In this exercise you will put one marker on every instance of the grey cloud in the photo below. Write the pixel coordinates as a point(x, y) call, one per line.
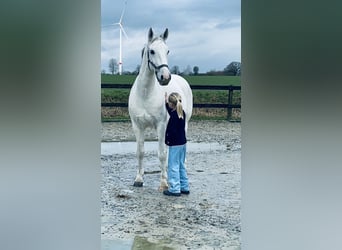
point(193, 25)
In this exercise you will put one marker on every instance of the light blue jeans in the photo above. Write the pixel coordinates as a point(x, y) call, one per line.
point(176, 172)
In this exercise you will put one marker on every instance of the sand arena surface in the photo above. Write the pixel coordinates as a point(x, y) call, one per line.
point(208, 218)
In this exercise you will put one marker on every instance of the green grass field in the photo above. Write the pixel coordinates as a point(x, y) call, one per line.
point(193, 80)
point(200, 96)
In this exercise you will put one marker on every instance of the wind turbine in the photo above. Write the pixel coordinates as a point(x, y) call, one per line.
point(122, 30)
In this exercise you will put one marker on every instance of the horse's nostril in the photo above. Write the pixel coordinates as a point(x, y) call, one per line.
point(162, 77)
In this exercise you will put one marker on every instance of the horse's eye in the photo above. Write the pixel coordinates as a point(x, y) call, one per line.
point(168, 51)
point(152, 51)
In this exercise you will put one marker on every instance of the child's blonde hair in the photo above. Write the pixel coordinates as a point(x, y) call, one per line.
point(176, 100)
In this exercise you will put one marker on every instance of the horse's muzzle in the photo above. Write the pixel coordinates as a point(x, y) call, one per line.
point(164, 81)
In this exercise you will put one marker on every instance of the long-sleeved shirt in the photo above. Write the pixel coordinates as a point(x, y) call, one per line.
point(175, 130)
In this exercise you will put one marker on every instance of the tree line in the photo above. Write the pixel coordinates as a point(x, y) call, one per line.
point(232, 69)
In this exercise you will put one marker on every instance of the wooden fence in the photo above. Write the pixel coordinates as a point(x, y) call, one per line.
point(229, 105)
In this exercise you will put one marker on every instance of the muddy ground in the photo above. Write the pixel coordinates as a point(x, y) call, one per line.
point(208, 218)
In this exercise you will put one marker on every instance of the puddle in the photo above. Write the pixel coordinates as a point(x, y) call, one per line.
point(116, 244)
point(120, 148)
point(139, 243)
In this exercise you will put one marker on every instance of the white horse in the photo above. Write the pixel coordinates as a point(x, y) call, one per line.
point(146, 102)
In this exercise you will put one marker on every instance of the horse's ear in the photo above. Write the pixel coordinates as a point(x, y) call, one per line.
point(150, 35)
point(166, 34)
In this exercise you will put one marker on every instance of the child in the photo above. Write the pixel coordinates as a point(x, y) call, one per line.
point(176, 140)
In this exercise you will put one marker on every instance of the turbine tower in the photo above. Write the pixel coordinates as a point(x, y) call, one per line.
point(122, 30)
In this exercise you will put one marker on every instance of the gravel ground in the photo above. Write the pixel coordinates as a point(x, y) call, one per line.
point(208, 218)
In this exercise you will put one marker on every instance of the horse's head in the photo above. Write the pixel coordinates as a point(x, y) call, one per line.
point(157, 56)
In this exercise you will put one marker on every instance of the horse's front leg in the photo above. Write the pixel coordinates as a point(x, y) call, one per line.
point(138, 182)
point(162, 154)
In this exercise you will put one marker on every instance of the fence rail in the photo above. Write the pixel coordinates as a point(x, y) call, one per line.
point(229, 105)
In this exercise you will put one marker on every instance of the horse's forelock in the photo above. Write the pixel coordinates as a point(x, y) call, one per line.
point(156, 38)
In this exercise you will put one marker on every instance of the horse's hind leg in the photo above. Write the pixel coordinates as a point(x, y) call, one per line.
point(162, 154)
point(138, 182)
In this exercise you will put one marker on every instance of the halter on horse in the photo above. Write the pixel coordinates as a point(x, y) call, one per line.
point(146, 102)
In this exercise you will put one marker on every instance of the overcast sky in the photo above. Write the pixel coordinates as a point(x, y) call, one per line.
point(204, 33)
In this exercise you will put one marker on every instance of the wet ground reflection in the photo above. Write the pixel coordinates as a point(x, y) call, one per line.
point(139, 243)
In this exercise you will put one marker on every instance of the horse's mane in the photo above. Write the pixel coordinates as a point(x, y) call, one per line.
point(142, 52)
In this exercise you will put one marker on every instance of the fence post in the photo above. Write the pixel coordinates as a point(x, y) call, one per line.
point(230, 100)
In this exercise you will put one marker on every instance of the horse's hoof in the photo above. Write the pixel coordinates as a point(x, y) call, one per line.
point(162, 188)
point(138, 184)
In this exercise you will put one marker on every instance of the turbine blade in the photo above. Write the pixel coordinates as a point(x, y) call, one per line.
point(108, 25)
point(123, 11)
point(122, 28)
